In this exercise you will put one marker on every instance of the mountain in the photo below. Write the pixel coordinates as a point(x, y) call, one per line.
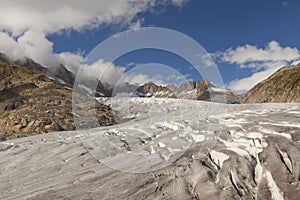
point(62, 76)
point(219, 95)
point(3, 57)
point(282, 86)
point(197, 90)
point(60, 73)
point(31, 103)
point(153, 90)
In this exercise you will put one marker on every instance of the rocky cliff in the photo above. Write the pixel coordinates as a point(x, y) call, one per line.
point(282, 86)
point(31, 103)
point(197, 90)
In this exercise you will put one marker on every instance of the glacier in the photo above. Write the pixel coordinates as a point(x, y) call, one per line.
point(162, 149)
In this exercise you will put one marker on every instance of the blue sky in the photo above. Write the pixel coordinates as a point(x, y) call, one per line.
point(248, 39)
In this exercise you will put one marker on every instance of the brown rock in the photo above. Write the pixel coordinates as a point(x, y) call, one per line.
point(282, 86)
point(31, 103)
point(24, 122)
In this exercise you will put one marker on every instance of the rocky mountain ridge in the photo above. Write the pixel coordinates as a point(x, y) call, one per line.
point(197, 90)
point(281, 87)
point(60, 73)
point(31, 103)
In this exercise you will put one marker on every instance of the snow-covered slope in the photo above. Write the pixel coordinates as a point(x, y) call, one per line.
point(163, 149)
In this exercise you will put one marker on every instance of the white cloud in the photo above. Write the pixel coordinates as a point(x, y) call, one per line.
point(134, 78)
point(72, 60)
point(244, 84)
point(156, 73)
point(113, 75)
point(179, 2)
point(262, 61)
point(106, 72)
point(18, 16)
point(250, 54)
point(207, 60)
point(37, 47)
point(9, 46)
point(137, 24)
point(24, 25)
point(296, 62)
point(139, 77)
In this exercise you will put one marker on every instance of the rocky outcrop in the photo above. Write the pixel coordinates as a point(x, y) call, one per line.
point(197, 90)
point(153, 90)
point(219, 96)
point(282, 86)
point(201, 85)
point(31, 103)
point(59, 74)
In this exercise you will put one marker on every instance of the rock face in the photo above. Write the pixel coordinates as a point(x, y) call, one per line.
point(31, 103)
point(282, 86)
point(201, 85)
point(256, 156)
point(60, 73)
point(197, 90)
point(153, 90)
point(219, 96)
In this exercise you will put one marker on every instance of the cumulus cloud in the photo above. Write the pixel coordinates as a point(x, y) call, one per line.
point(244, 84)
point(207, 60)
point(8, 45)
point(36, 46)
point(71, 60)
point(18, 16)
point(262, 61)
point(24, 25)
point(251, 54)
point(134, 78)
point(155, 73)
point(107, 72)
point(115, 76)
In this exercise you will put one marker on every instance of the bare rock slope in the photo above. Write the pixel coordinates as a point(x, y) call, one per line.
point(31, 103)
point(282, 86)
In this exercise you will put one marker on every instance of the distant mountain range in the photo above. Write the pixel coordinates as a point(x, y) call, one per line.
point(281, 87)
point(197, 90)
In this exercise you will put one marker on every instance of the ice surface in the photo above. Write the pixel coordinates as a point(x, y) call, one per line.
point(172, 148)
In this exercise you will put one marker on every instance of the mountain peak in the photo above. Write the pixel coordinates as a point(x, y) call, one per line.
point(282, 86)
